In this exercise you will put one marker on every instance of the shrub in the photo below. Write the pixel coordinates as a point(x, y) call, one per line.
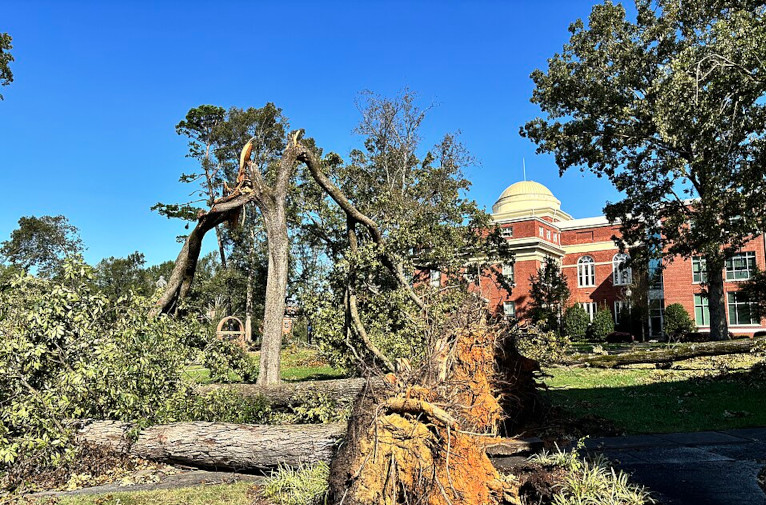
point(543, 346)
point(603, 325)
point(677, 321)
point(576, 322)
point(68, 352)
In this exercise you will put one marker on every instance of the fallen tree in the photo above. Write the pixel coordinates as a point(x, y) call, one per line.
point(677, 352)
point(227, 446)
point(286, 394)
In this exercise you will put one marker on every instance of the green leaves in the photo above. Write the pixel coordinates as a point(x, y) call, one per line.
point(67, 352)
point(6, 76)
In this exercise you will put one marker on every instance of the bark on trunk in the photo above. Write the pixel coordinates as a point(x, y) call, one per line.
point(222, 445)
point(249, 305)
point(186, 263)
point(276, 288)
point(719, 329)
point(239, 447)
point(676, 353)
point(343, 391)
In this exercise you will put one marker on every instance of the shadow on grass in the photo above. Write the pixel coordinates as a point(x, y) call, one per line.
point(733, 400)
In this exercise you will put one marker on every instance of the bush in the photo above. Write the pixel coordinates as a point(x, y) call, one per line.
point(576, 322)
point(543, 346)
point(603, 325)
point(677, 321)
point(67, 352)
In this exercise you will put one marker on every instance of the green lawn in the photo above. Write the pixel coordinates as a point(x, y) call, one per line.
point(695, 395)
point(221, 494)
point(297, 364)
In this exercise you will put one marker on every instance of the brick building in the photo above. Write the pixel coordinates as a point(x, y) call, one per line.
point(535, 226)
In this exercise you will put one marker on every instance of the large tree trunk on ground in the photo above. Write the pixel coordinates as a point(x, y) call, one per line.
point(239, 447)
point(222, 445)
point(276, 290)
point(343, 391)
point(676, 353)
point(719, 329)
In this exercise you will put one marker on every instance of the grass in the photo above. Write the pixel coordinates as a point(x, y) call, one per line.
point(297, 364)
point(219, 494)
point(695, 395)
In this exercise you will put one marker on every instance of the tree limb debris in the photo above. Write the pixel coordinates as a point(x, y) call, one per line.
point(677, 352)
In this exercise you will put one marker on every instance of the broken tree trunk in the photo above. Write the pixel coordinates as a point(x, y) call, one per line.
point(342, 391)
point(221, 445)
point(676, 353)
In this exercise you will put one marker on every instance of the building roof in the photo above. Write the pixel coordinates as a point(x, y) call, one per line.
point(528, 198)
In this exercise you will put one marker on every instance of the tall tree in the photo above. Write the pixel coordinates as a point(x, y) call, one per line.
point(265, 129)
point(200, 127)
point(403, 209)
point(115, 277)
point(41, 244)
point(671, 107)
point(6, 76)
point(549, 294)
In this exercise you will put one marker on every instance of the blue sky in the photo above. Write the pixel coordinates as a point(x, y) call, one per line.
point(86, 129)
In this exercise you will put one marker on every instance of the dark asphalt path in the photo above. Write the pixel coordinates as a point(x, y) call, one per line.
point(704, 468)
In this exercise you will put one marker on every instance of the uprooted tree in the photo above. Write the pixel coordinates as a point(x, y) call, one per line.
point(426, 425)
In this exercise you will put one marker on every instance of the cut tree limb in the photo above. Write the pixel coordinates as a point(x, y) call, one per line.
point(677, 352)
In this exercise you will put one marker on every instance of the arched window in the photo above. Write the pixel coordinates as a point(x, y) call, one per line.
point(586, 272)
point(621, 274)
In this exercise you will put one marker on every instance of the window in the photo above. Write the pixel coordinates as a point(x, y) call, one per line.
point(621, 310)
point(508, 272)
point(509, 309)
point(542, 231)
point(435, 279)
point(699, 270)
point(586, 272)
point(656, 315)
point(590, 308)
point(701, 310)
point(621, 275)
point(741, 309)
point(740, 266)
point(655, 274)
point(548, 234)
point(555, 238)
point(507, 232)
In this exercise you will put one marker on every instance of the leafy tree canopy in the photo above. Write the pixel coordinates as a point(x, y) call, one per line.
point(42, 244)
point(6, 76)
point(670, 107)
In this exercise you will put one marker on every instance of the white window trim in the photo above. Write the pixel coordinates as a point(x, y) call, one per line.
point(703, 269)
point(621, 276)
point(435, 278)
point(509, 308)
point(728, 308)
point(619, 306)
point(745, 255)
point(586, 271)
point(590, 309)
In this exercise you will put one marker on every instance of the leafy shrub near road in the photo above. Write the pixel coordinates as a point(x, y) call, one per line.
point(677, 322)
point(67, 352)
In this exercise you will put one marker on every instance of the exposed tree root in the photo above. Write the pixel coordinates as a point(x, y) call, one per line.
point(422, 439)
